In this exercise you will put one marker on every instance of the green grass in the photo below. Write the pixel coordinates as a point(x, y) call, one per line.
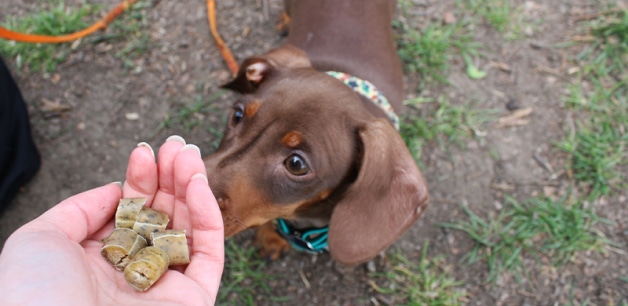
point(426, 282)
point(244, 280)
point(438, 120)
point(56, 20)
point(134, 47)
point(598, 140)
point(596, 151)
point(429, 51)
point(190, 116)
point(550, 231)
point(502, 15)
point(131, 29)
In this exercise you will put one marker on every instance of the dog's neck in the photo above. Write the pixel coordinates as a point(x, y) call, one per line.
point(354, 37)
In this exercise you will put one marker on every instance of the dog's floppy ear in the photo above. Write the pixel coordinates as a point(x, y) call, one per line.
point(255, 70)
point(388, 195)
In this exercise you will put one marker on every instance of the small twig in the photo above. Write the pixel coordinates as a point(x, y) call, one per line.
point(598, 14)
point(502, 186)
point(542, 183)
point(543, 162)
point(583, 38)
point(265, 9)
point(528, 294)
point(543, 68)
point(304, 279)
point(515, 118)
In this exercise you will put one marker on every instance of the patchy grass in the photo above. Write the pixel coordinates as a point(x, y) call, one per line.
point(243, 278)
point(130, 28)
point(133, 48)
point(502, 15)
point(194, 115)
point(426, 282)
point(59, 19)
point(56, 20)
point(550, 231)
point(438, 120)
point(429, 51)
point(598, 139)
point(595, 153)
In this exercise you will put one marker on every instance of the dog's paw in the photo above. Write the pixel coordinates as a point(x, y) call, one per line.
point(270, 244)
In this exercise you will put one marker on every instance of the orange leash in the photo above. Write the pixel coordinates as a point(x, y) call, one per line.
point(102, 24)
point(226, 54)
point(46, 39)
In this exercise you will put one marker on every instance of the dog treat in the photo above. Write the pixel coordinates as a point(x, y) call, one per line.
point(150, 221)
point(148, 265)
point(127, 211)
point(174, 243)
point(120, 246)
point(126, 247)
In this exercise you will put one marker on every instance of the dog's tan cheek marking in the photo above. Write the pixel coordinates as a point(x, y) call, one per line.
point(292, 139)
point(251, 109)
point(302, 205)
point(323, 195)
point(249, 207)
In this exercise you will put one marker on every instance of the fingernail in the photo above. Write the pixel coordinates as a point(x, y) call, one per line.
point(176, 138)
point(119, 183)
point(191, 147)
point(200, 176)
point(144, 144)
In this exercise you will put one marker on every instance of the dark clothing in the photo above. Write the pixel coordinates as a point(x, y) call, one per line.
point(19, 158)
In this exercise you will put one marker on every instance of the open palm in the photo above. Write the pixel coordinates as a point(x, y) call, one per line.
point(55, 259)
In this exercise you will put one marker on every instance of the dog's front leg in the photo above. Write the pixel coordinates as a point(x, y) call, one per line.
point(271, 245)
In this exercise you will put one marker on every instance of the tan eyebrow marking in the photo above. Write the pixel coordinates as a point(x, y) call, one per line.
point(292, 139)
point(251, 109)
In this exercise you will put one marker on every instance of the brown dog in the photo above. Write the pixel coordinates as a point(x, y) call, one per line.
point(303, 146)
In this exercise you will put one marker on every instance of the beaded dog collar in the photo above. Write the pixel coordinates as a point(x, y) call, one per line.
point(368, 90)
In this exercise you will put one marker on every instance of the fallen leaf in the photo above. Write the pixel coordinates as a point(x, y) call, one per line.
point(53, 106)
point(55, 78)
point(472, 71)
point(449, 18)
point(500, 65)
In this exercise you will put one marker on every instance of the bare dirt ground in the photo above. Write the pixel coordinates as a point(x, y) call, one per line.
point(107, 109)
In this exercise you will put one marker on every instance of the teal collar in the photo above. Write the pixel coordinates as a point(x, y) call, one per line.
point(368, 90)
point(313, 241)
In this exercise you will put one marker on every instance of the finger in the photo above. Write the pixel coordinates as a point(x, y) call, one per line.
point(187, 163)
point(141, 173)
point(207, 252)
point(164, 199)
point(81, 215)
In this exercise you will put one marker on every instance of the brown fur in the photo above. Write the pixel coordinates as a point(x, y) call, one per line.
point(361, 179)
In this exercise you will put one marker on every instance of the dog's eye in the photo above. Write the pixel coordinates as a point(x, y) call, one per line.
point(238, 114)
point(296, 165)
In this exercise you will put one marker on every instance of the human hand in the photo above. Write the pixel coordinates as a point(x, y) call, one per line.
point(55, 259)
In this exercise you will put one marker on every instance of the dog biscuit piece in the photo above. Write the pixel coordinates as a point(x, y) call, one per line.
point(128, 209)
point(174, 243)
point(148, 265)
point(150, 221)
point(120, 246)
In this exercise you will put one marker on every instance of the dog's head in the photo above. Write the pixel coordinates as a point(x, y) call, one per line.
point(300, 144)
